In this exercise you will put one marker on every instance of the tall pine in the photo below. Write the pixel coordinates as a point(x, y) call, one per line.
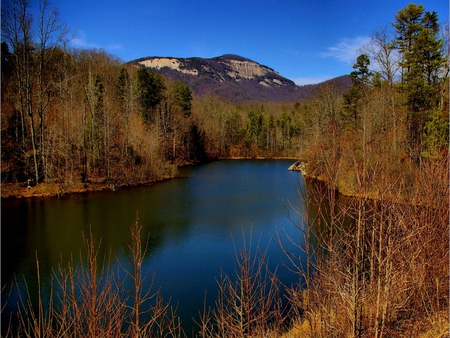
point(422, 62)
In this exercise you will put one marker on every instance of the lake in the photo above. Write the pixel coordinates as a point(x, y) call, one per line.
point(196, 223)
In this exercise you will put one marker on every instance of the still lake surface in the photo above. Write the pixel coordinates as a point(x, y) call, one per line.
point(196, 224)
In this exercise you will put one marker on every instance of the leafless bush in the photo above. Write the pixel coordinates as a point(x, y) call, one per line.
point(249, 303)
point(161, 318)
point(370, 267)
point(92, 300)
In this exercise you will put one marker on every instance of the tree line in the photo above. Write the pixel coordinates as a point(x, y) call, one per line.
point(376, 262)
point(84, 116)
point(392, 124)
point(373, 265)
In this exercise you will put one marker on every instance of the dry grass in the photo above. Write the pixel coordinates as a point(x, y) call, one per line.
point(435, 326)
point(49, 189)
point(374, 268)
point(16, 190)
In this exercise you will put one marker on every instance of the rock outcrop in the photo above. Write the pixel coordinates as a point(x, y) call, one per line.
point(298, 166)
point(233, 78)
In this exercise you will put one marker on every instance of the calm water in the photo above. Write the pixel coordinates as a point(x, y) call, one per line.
point(195, 224)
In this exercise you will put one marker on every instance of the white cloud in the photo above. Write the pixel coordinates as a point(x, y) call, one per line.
point(301, 81)
point(113, 47)
point(347, 50)
point(81, 42)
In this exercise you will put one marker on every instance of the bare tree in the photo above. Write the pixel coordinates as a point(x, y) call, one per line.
point(248, 303)
point(382, 52)
point(31, 59)
point(17, 32)
point(52, 34)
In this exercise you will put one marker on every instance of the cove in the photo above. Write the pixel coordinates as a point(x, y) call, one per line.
point(195, 224)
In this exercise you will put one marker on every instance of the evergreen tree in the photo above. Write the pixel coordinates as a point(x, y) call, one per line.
point(407, 25)
point(361, 75)
point(255, 124)
point(121, 87)
point(150, 91)
point(436, 136)
point(183, 97)
point(361, 78)
point(422, 62)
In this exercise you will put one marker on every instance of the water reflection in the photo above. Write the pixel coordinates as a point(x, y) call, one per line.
point(195, 224)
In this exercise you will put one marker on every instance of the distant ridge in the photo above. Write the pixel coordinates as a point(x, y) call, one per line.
point(234, 78)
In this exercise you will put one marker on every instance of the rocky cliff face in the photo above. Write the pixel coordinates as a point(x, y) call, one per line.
point(175, 64)
point(232, 77)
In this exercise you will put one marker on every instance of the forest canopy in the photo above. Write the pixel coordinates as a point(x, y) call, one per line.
point(376, 265)
point(83, 116)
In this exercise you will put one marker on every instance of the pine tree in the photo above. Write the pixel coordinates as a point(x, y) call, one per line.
point(422, 62)
point(361, 78)
point(182, 97)
point(151, 89)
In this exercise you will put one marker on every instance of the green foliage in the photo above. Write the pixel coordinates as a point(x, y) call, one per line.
point(362, 80)
point(122, 83)
point(287, 129)
point(150, 91)
point(436, 135)
point(100, 115)
point(235, 131)
point(408, 25)
point(422, 55)
point(182, 97)
point(385, 131)
point(255, 126)
point(97, 91)
point(361, 75)
point(197, 144)
point(263, 136)
point(377, 80)
point(422, 61)
point(352, 106)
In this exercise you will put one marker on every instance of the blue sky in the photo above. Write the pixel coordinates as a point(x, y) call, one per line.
point(305, 41)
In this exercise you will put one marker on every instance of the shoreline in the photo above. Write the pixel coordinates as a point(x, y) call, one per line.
point(44, 190)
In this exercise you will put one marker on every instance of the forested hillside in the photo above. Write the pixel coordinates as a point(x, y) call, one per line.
point(83, 116)
point(385, 142)
point(234, 79)
point(72, 118)
point(376, 265)
point(94, 119)
point(391, 129)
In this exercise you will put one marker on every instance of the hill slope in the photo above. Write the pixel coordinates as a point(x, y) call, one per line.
point(234, 78)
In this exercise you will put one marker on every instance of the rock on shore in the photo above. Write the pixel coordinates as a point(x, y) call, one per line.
point(298, 166)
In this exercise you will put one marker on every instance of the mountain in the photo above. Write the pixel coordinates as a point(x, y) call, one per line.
point(234, 78)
